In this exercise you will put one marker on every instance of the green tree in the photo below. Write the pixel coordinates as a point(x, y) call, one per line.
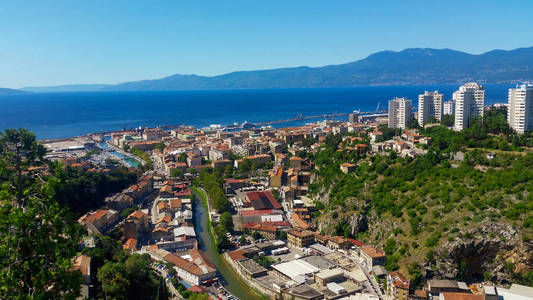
point(176, 173)
point(226, 220)
point(160, 146)
point(37, 238)
point(114, 280)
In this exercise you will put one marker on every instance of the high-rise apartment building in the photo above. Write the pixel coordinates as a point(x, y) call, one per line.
point(400, 112)
point(429, 106)
point(469, 102)
point(520, 109)
point(448, 108)
point(353, 117)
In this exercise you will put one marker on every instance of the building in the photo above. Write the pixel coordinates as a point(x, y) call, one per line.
point(194, 267)
point(448, 108)
point(520, 109)
point(429, 106)
point(276, 176)
point(469, 102)
point(438, 286)
point(397, 286)
point(399, 112)
point(300, 238)
point(82, 263)
point(353, 117)
point(329, 275)
point(373, 256)
point(347, 168)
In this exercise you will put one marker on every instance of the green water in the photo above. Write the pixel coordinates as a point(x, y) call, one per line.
point(231, 280)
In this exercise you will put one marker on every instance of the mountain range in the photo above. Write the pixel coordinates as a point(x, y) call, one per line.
point(415, 66)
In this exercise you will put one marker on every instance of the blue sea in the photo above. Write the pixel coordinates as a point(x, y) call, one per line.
point(57, 115)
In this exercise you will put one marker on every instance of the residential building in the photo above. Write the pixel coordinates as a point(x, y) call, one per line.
point(82, 263)
point(400, 112)
point(347, 167)
point(469, 101)
point(429, 106)
point(194, 267)
point(372, 256)
point(520, 109)
point(353, 117)
point(300, 238)
point(448, 108)
point(397, 286)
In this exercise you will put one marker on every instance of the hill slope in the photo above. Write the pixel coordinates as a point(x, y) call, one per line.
point(415, 66)
point(407, 67)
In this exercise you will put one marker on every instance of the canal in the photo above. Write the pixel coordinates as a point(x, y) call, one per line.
point(228, 277)
point(129, 160)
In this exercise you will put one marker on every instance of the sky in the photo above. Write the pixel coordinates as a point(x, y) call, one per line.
point(71, 42)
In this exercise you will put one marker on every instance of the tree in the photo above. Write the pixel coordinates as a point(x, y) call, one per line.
point(221, 237)
point(226, 220)
point(176, 173)
point(256, 235)
point(37, 238)
point(160, 146)
point(182, 157)
point(114, 281)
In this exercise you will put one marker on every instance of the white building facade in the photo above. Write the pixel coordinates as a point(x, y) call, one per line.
point(429, 106)
point(520, 109)
point(469, 102)
point(400, 112)
point(448, 108)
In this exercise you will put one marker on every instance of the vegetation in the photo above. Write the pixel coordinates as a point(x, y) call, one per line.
point(430, 199)
point(82, 191)
point(38, 238)
point(265, 261)
point(120, 275)
point(212, 182)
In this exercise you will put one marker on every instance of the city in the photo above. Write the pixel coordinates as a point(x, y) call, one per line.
point(233, 212)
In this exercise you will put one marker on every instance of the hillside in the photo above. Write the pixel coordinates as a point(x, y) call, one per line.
point(408, 67)
point(468, 219)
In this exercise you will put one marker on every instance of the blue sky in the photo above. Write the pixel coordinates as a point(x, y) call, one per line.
point(69, 42)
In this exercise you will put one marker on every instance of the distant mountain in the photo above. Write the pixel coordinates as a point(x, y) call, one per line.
point(407, 67)
point(5, 91)
point(65, 88)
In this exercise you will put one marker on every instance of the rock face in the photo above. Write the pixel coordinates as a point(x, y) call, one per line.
point(491, 249)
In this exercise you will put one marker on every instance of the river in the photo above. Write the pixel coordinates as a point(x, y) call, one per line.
point(228, 277)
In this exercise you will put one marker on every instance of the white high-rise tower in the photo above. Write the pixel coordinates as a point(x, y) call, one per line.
point(469, 102)
point(520, 109)
point(400, 112)
point(429, 106)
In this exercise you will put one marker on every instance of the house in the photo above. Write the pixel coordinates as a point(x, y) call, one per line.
point(101, 219)
point(300, 238)
point(194, 267)
point(130, 244)
point(347, 167)
point(295, 162)
point(82, 263)
point(372, 256)
point(276, 176)
point(135, 224)
point(397, 286)
point(269, 232)
point(221, 163)
point(338, 242)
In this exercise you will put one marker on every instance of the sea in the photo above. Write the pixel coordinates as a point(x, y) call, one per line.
point(60, 115)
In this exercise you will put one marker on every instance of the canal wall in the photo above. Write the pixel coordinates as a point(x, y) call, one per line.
point(251, 282)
